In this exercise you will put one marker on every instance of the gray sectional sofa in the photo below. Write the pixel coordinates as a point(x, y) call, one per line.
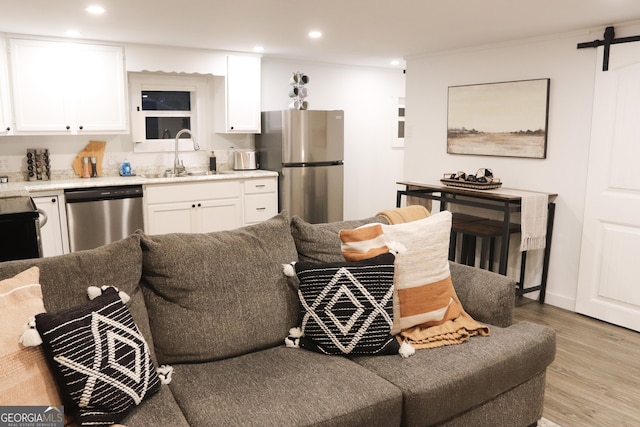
point(217, 307)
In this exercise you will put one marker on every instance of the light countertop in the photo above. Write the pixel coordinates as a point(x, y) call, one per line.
point(25, 188)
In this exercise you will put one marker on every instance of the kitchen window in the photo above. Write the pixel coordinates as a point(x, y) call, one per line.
point(161, 105)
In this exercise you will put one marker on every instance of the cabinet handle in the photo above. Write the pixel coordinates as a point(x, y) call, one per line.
point(80, 127)
point(68, 127)
point(53, 200)
point(260, 186)
point(193, 206)
point(8, 129)
point(199, 205)
point(261, 209)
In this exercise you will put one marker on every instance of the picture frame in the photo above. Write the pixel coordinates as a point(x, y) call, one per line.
point(507, 119)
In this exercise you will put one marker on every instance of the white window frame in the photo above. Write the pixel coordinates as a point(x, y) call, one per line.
point(197, 85)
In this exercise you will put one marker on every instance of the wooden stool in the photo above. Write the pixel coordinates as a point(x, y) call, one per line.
point(459, 223)
point(471, 228)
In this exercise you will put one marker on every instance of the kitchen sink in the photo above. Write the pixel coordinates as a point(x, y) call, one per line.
point(152, 175)
point(170, 174)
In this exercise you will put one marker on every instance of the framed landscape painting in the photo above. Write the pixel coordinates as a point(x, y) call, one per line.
point(499, 119)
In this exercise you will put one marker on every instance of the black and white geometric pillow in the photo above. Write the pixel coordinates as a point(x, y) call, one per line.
point(100, 357)
point(347, 307)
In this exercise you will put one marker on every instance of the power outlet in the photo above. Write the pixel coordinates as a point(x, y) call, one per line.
point(4, 165)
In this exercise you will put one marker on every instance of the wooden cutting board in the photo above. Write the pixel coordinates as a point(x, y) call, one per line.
point(93, 149)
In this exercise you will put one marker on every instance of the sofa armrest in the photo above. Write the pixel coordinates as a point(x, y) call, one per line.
point(488, 297)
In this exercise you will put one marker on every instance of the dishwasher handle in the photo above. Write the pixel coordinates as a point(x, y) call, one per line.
point(44, 216)
point(102, 193)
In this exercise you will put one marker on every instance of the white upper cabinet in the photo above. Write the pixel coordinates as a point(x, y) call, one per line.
point(68, 87)
point(5, 105)
point(237, 96)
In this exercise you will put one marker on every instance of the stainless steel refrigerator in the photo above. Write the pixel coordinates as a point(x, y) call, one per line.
point(306, 148)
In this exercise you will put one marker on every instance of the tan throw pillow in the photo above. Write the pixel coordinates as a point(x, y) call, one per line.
point(423, 292)
point(25, 378)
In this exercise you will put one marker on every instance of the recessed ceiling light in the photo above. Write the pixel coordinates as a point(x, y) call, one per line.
point(395, 62)
point(96, 10)
point(258, 49)
point(72, 33)
point(315, 34)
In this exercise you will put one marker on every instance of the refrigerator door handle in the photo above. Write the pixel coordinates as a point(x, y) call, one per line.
point(312, 164)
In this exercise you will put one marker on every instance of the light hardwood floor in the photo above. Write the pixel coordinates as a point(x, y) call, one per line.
point(595, 378)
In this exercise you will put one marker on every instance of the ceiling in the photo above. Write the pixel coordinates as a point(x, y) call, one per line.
point(358, 32)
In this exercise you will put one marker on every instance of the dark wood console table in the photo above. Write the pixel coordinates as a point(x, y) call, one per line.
point(500, 200)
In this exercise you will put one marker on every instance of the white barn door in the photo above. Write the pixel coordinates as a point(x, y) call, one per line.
point(609, 276)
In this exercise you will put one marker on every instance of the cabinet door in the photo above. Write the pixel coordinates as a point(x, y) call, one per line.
point(99, 90)
point(40, 80)
point(51, 232)
point(166, 218)
point(5, 106)
point(218, 215)
point(68, 87)
point(238, 96)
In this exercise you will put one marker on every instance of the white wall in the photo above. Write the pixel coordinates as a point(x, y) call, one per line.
point(369, 98)
point(564, 170)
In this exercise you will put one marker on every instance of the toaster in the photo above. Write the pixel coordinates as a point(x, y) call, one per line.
point(244, 160)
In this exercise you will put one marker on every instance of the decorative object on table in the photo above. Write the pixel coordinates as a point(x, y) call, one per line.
point(499, 119)
point(482, 180)
point(38, 165)
point(298, 91)
point(92, 149)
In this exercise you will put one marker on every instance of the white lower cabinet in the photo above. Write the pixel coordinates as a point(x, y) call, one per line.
point(193, 207)
point(53, 234)
point(209, 206)
point(260, 199)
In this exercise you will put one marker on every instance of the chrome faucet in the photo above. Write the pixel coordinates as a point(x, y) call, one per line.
point(178, 167)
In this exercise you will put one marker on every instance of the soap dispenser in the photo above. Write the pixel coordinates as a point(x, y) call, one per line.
point(125, 169)
point(212, 162)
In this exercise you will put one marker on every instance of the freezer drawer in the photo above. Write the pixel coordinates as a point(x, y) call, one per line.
point(314, 193)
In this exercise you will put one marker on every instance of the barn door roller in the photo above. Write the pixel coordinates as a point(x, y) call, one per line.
point(609, 39)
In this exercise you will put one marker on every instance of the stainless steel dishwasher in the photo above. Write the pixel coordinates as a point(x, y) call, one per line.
point(100, 215)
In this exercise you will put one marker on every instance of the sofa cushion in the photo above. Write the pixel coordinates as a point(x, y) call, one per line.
point(216, 295)
point(25, 378)
point(347, 307)
point(320, 242)
point(65, 278)
point(285, 387)
point(161, 409)
point(100, 357)
point(440, 383)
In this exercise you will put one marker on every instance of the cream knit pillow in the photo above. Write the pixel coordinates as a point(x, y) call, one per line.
point(423, 292)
